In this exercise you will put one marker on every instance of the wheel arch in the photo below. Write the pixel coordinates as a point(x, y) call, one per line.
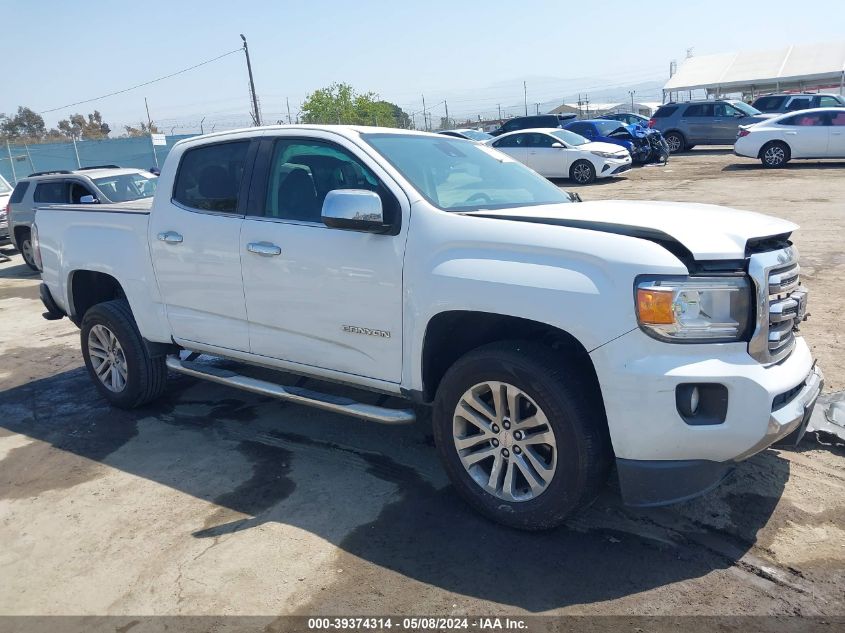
point(451, 334)
point(87, 288)
point(778, 141)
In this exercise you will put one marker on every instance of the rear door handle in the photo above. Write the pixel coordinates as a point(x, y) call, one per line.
point(171, 237)
point(265, 249)
point(791, 133)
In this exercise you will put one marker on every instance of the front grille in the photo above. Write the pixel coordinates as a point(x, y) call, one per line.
point(781, 301)
point(783, 309)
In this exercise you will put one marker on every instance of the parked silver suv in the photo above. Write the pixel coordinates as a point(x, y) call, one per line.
point(103, 183)
point(710, 122)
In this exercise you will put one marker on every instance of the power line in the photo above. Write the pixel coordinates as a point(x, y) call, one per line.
point(146, 83)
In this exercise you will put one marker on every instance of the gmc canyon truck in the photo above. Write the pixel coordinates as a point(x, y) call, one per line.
point(552, 339)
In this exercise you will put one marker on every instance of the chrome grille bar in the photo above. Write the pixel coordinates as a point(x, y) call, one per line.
point(776, 275)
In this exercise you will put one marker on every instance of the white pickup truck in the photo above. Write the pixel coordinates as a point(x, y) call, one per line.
point(553, 339)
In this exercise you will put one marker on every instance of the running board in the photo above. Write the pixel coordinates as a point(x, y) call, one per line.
point(298, 395)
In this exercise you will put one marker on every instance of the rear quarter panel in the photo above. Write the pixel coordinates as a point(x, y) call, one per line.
point(110, 242)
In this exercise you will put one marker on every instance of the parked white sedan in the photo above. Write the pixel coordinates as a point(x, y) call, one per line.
point(816, 133)
point(556, 153)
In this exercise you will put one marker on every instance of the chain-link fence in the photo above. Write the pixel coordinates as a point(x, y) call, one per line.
point(19, 159)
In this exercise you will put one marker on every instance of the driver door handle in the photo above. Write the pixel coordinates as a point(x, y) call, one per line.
point(170, 237)
point(265, 249)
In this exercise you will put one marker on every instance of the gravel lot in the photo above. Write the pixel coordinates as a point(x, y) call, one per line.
point(214, 501)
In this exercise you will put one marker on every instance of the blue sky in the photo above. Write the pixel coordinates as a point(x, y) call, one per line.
point(475, 54)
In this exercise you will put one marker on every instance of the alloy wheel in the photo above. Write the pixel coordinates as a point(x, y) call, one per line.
point(107, 358)
point(774, 156)
point(582, 173)
point(504, 441)
point(674, 142)
point(26, 252)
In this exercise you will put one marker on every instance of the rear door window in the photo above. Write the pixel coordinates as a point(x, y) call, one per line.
point(209, 177)
point(699, 110)
point(19, 192)
point(52, 192)
point(799, 103)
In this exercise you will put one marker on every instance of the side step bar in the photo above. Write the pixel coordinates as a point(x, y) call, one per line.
point(327, 402)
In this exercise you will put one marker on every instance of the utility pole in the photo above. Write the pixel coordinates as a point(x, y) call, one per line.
point(525, 96)
point(425, 120)
point(202, 130)
point(11, 162)
point(75, 151)
point(500, 111)
point(287, 101)
point(538, 107)
point(632, 93)
point(256, 116)
point(446, 105)
point(150, 131)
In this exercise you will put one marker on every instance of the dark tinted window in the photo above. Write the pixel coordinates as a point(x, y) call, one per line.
point(51, 192)
point(19, 192)
point(303, 172)
point(514, 140)
point(699, 110)
point(801, 103)
point(209, 177)
point(539, 140)
point(584, 129)
point(837, 118)
point(77, 190)
point(769, 104)
point(665, 111)
point(725, 109)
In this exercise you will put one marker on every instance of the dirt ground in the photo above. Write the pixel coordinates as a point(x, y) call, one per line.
point(214, 501)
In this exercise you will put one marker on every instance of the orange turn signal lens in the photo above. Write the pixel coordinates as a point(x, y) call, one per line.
point(654, 307)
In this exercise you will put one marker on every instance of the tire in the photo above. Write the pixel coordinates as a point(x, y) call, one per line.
point(775, 154)
point(583, 172)
point(676, 142)
point(26, 250)
point(575, 464)
point(135, 378)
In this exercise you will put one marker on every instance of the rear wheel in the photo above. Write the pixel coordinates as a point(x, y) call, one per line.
point(522, 438)
point(117, 359)
point(26, 250)
point(676, 142)
point(582, 172)
point(775, 154)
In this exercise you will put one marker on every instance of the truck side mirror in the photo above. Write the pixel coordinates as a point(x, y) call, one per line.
point(89, 199)
point(354, 210)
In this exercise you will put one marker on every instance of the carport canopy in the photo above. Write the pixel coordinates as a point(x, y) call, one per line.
point(798, 67)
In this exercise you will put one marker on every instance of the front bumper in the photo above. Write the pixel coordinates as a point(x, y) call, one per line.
point(660, 457)
point(613, 167)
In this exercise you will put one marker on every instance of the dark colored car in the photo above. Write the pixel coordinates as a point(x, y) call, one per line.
point(631, 137)
point(534, 121)
point(628, 118)
point(788, 102)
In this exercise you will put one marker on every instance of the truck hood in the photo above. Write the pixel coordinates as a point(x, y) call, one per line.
point(706, 231)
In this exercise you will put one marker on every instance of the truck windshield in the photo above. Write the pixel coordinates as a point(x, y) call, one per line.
point(126, 187)
point(458, 175)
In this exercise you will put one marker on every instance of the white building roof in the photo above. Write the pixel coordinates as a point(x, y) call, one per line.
point(809, 63)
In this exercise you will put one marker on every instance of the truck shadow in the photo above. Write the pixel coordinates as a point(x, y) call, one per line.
point(376, 492)
point(791, 166)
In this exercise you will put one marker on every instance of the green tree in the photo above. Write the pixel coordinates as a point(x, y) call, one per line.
point(26, 124)
point(79, 127)
point(339, 103)
point(142, 130)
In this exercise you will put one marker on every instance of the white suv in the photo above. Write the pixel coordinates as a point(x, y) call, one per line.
point(5, 193)
point(103, 183)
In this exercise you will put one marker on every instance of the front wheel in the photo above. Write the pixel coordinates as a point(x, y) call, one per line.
point(582, 172)
point(117, 359)
point(775, 154)
point(523, 439)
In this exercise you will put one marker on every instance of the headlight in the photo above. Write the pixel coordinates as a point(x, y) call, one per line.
point(694, 309)
point(604, 154)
